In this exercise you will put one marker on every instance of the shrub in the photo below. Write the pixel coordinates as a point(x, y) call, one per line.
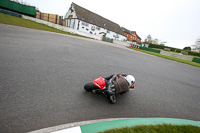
point(173, 49)
point(162, 47)
point(193, 53)
point(178, 50)
point(156, 46)
point(187, 48)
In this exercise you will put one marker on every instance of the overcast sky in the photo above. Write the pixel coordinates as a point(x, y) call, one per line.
point(174, 21)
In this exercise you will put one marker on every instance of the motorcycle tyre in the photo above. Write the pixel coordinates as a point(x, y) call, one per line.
point(90, 86)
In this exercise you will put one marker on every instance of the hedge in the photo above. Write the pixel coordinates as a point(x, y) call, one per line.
point(156, 46)
point(193, 53)
point(178, 50)
point(162, 47)
point(173, 49)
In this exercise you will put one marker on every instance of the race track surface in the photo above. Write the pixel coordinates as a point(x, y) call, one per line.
point(42, 75)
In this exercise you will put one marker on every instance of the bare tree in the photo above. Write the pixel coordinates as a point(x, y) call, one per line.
point(198, 41)
point(196, 46)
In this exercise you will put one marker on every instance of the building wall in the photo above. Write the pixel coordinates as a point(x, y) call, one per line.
point(132, 37)
point(92, 29)
point(74, 23)
point(71, 23)
point(70, 14)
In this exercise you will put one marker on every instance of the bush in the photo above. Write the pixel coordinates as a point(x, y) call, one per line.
point(156, 46)
point(173, 49)
point(162, 47)
point(187, 48)
point(178, 50)
point(193, 53)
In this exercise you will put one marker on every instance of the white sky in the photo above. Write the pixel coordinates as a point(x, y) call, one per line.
point(174, 21)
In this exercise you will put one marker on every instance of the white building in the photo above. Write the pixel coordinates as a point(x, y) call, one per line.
point(83, 20)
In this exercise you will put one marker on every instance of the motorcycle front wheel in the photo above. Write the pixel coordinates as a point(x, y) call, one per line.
point(90, 86)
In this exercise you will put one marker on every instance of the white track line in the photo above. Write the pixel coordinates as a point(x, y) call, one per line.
point(70, 130)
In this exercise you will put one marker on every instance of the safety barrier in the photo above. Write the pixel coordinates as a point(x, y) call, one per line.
point(10, 13)
point(17, 7)
point(106, 39)
point(145, 48)
point(150, 49)
point(195, 59)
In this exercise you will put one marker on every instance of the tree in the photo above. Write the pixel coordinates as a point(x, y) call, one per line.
point(37, 9)
point(197, 45)
point(198, 41)
point(187, 48)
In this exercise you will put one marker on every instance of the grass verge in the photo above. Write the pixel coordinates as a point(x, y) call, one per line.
point(164, 128)
point(12, 20)
point(169, 57)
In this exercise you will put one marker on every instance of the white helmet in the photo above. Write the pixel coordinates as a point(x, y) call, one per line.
point(131, 80)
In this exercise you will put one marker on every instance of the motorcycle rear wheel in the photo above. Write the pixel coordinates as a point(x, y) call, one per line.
point(90, 86)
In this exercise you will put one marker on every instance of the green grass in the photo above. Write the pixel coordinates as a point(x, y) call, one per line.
point(12, 20)
point(165, 128)
point(169, 57)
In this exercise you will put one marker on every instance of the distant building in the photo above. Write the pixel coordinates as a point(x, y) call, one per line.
point(83, 20)
point(131, 35)
point(148, 39)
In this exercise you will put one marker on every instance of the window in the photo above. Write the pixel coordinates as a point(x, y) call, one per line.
point(70, 16)
point(116, 36)
point(108, 31)
point(98, 28)
point(93, 28)
point(86, 24)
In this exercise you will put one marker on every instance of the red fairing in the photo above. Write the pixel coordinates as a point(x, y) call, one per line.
point(99, 82)
point(133, 86)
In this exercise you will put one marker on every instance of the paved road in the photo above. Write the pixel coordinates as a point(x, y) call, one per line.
point(42, 76)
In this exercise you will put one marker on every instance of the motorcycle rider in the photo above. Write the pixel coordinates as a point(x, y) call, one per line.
point(117, 84)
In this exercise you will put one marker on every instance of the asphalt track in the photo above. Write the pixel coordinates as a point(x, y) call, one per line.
point(42, 75)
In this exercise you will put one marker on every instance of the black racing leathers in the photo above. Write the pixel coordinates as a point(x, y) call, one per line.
point(115, 84)
point(110, 89)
